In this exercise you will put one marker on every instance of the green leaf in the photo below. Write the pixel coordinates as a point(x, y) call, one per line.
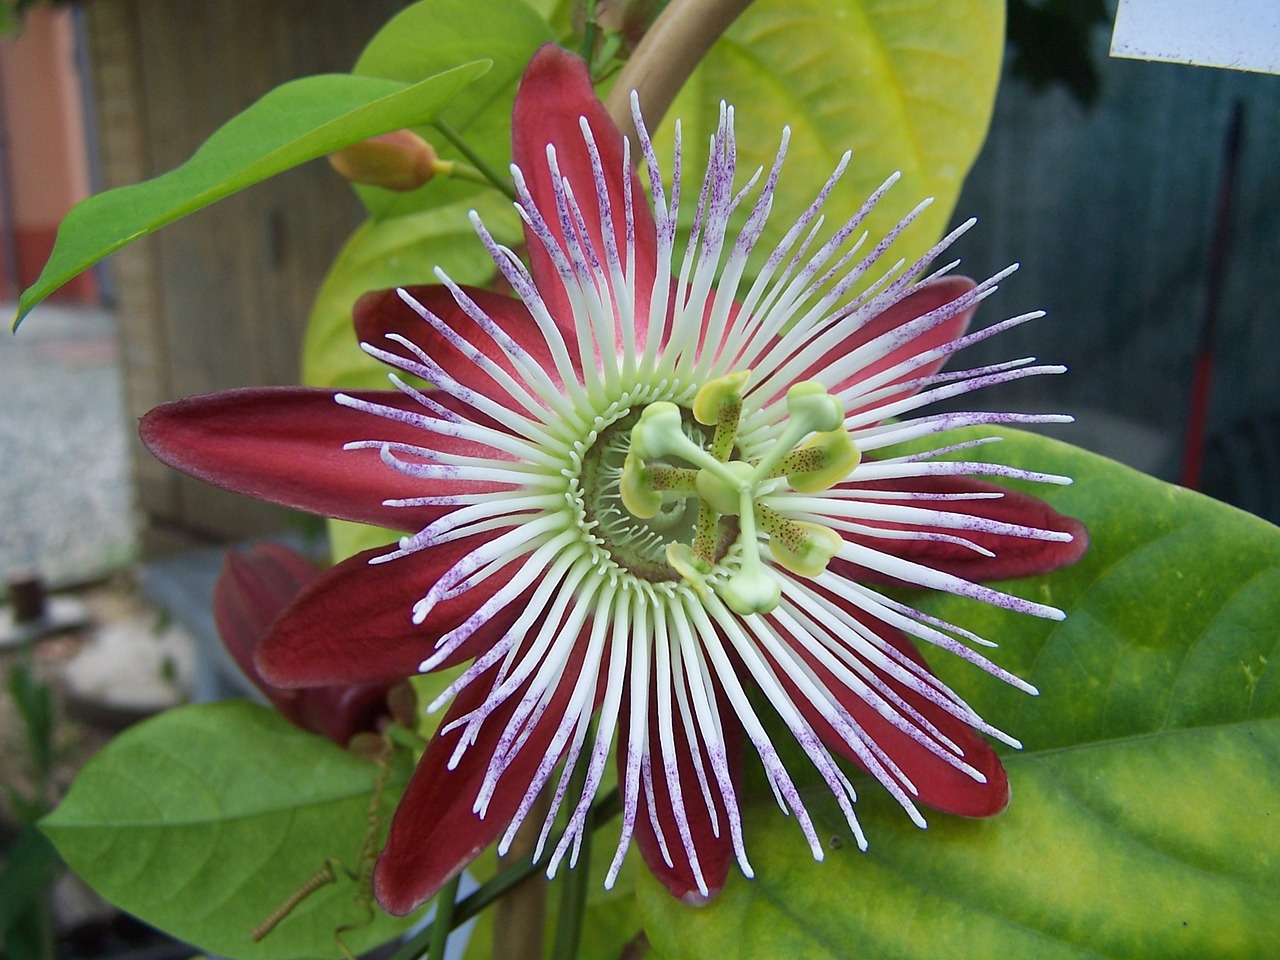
point(34, 701)
point(30, 866)
point(505, 32)
point(1142, 821)
point(346, 539)
point(203, 820)
point(292, 124)
point(906, 87)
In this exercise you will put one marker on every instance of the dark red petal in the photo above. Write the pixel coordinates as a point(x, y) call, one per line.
point(1014, 556)
point(929, 297)
point(339, 713)
point(354, 624)
point(284, 444)
point(434, 832)
point(383, 312)
point(554, 93)
point(940, 785)
point(715, 853)
point(252, 590)
point(249, 594)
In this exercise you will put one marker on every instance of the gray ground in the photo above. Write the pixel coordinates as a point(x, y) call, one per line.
point(66, 504)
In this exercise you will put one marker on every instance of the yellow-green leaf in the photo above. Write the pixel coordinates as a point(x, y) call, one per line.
point(906, 86)
point(1145, 819)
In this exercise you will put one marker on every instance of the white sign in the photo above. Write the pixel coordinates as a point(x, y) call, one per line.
point(1237, 34)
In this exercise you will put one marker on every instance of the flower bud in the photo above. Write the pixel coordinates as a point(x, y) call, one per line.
point(402, 701)
point(400, 160)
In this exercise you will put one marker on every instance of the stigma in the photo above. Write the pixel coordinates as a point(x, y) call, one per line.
point(664, 463)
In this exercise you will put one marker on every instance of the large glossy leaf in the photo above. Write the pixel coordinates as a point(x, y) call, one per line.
point(1145, 805)
point(205, 819)
point(432, 35)
point(292, 124)
point(906, 86)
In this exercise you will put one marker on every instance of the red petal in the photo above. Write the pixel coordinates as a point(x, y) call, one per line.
point(354, 624)
point(284, 444)
point(926, 298)
point(339, 713)
point(1014, 556)
point(434, 832)
point(252, 590)
point(554, 93)
point(940, 785)
point(382, 312)
point(715, 853)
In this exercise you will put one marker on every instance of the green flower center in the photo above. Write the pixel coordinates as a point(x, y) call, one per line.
point(668, 500)
point(637, 544)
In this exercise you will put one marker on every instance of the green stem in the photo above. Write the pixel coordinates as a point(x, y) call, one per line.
point(573, 887)
point(443, 922)
point(457, 170)
point(454, 137)
point(404, 737)
point(469, 906)
point(589, 30)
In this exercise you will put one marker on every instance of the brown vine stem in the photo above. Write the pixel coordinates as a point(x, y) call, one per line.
point(666, 57)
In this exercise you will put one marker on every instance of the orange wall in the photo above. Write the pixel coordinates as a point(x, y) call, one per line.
point(47, 160)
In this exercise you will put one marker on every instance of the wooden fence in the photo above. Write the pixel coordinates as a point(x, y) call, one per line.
point(219, 299)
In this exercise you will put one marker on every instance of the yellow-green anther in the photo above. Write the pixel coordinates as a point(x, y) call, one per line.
point(822, 462)
point(637, 488)
point(719, 404)
point(706, 534)
point(714, 396)
point(802, 547)
point(674, 479)
point(812, 410)
point(726, 431)
point(725, 490)
point(691, 568)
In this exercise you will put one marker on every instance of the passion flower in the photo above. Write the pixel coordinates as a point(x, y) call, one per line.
point(638, 489)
